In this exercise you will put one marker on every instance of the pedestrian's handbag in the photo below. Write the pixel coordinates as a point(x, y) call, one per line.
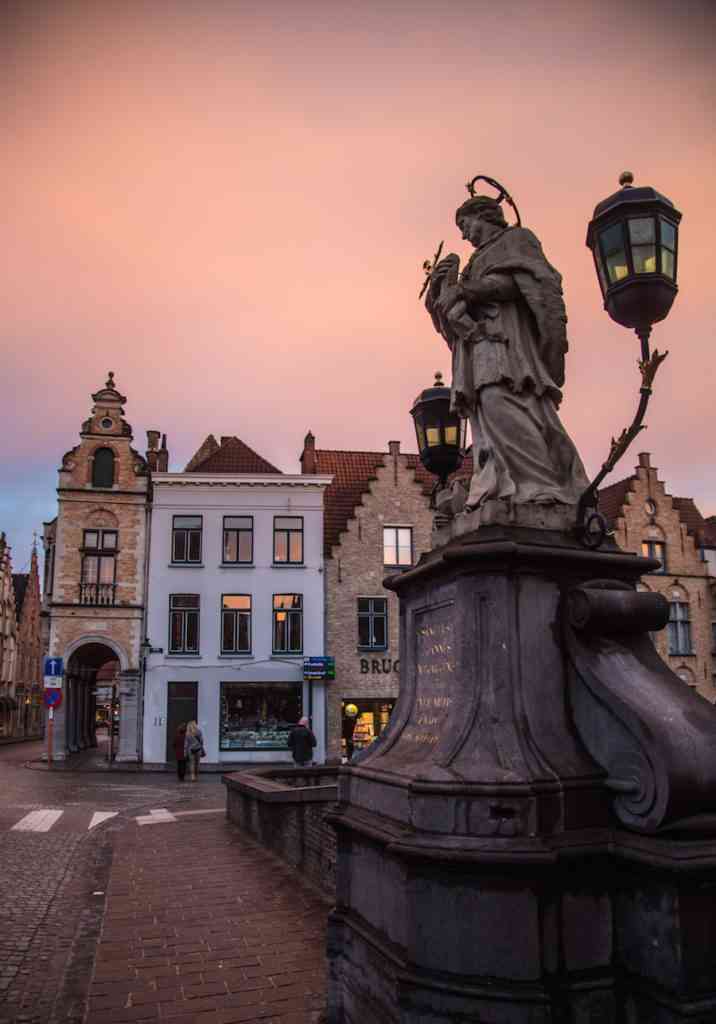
point(202, 752)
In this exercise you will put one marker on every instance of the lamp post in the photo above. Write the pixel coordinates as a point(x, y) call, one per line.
point(633, 237)
point(440, 433)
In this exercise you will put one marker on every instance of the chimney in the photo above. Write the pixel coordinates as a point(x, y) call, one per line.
point(163, 456)
point(394, 451)
point(645, 460)
point(152, 446)
point(308, 456)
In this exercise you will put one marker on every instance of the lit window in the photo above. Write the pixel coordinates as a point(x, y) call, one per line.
point(679, 628)
point(238, 539)
point(288, 540)
point(184, 624)
point(655, 549)
point(287, 623)
point(236, 624)
point(186, 539)
point(397, 545)
point(373, 623)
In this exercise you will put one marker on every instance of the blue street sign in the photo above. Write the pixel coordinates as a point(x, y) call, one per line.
point(319, 668)
point(53, 668)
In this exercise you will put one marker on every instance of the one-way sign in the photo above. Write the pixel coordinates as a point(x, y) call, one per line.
point(52, 670)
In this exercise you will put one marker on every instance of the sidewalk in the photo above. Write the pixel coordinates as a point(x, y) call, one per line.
point(202, 926)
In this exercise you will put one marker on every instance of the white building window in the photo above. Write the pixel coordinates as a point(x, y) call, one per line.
point(679, 628)
point(236, 624)
point(184, 624)
point(397, 545)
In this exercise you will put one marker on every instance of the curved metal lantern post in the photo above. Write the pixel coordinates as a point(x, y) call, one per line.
point(633, 236)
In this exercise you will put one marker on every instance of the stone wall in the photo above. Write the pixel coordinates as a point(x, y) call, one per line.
point(283, 809)
point(355, 569)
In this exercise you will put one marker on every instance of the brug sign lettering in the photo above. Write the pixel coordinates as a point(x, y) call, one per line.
point(379, 666)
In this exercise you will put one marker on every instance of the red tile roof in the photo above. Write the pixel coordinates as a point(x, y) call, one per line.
point(690, 517)
point(352, 473)
point(231, 456)
point(613, 498)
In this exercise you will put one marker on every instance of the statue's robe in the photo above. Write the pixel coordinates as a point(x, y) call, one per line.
point(508, 368)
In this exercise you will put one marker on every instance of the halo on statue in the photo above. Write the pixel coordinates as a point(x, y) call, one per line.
point(504, 195)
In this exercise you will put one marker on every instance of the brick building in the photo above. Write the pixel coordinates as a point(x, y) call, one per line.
point(8, 642)
point(377, 521)
point(95, 555)
point(28, 664)
point(647, 520)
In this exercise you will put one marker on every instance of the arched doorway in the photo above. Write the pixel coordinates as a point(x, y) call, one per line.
point(88, 662)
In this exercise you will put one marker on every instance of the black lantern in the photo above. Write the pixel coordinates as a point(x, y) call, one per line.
point(440, 432)
point(633, 236)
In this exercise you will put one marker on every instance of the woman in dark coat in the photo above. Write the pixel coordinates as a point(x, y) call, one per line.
point(179, 737)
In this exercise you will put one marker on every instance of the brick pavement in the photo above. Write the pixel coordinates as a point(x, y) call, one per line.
point(202, 926)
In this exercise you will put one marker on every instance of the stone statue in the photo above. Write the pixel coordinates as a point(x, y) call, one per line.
point(504, 320)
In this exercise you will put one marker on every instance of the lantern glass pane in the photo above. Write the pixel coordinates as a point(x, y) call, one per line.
point(600, 271)
point(644, 257)
point(667, 263)
point(433, 434)
point(612, 244)
point(451, 435)
point(617, 266)
point(668, 235)
point(641, 230)
point(421, 435)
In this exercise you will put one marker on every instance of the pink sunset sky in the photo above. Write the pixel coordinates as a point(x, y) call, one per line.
point(228, 202)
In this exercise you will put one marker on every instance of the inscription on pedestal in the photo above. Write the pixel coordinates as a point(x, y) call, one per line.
point(434, 646)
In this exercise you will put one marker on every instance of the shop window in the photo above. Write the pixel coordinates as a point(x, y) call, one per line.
point(655, 549)
point(288, 540)
point(287, 623)
point(258, 717)
point(238, 540)
point(103, 468)
point(97, 582)
point(679, 628)
point(397, 545)
point(236, 624)
point(373, 623)
point(186, 539)
point(363, 721)
point(184, 624)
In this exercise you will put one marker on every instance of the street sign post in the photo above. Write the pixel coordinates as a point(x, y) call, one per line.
point(53, 699)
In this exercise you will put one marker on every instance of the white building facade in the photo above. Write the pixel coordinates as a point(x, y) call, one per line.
point(235, 604)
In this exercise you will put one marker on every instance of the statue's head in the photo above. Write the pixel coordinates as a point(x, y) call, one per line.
point(479, 217)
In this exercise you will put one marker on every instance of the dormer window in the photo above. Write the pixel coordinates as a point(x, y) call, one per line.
point(103, 468)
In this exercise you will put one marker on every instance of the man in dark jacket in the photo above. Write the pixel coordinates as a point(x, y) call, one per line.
point(301, 742)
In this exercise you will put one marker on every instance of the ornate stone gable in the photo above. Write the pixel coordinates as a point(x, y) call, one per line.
point(647, 519)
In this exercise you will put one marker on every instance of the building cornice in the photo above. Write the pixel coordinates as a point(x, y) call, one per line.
point(241, 480)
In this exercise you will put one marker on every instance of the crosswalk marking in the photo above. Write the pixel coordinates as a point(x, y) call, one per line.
point(99, 816)
point(38, 821)
point(155, 817)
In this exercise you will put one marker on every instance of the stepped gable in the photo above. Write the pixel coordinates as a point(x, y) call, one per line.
point(20, 581)
point(352, 473)
point(612, 498)
point(231, 456)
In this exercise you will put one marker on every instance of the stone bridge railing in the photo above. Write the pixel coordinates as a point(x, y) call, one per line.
point(283, 809)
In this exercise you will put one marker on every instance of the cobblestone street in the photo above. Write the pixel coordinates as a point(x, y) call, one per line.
point(130, 898)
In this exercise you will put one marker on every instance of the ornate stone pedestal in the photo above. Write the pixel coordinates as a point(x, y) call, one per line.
point(483, 873)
